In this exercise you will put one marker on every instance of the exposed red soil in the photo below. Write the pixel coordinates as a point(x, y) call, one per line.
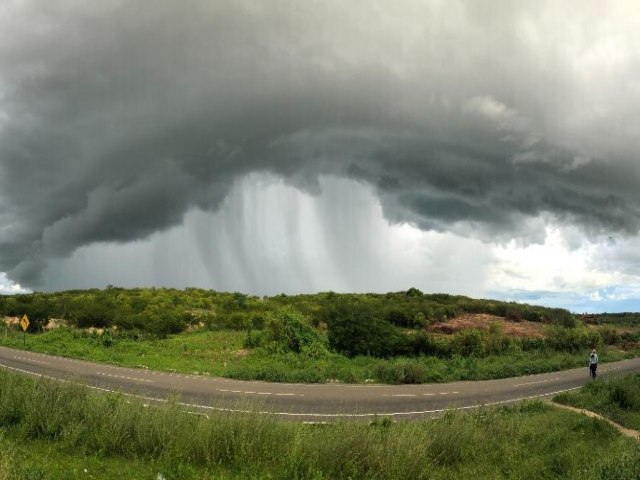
point(483, 321)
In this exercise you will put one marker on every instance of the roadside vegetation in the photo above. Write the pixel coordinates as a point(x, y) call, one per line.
point(616, 398)
point(401, 337)
point(56, 430)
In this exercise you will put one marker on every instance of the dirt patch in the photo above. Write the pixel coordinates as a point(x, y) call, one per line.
point(625, 431)
point(484, 321)
point(11, 321)
point(53, 324)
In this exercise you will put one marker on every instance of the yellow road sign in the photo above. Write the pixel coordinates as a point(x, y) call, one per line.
point(24, 322)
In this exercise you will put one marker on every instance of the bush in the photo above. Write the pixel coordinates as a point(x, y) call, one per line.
point(356, 331)
point(624, 395)
point(107, 339)
point(400, 318)
point(400, 372)
point(287, 331)
point(131, 322)
point(468, 343)
point(494, 340)
point(532, 343)
point(610, 336)
point(165, 324)
point(572, 339)
point(424, 344)
point(562, 317)
point(514, 315)
point(414, 292)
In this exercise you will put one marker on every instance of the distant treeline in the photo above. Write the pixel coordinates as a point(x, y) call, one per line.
point(629, 318)
point(163, 311)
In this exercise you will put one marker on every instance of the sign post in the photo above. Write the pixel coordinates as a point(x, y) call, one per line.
point(24, 323)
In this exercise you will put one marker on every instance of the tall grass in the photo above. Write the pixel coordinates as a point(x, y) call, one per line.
point(617, 398)
point(507, 442)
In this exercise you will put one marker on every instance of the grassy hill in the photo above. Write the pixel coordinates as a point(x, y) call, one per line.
point(399, 337)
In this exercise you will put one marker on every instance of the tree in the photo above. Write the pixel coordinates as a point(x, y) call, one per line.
point(414, 292)
point(357, 331)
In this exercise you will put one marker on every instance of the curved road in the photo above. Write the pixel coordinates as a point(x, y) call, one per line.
point(305, 402)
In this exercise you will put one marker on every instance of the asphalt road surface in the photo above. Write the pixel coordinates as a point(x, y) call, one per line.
point(303, 402)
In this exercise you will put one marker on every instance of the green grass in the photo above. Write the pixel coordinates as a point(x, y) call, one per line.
point(220, 353)
point(40, 459)
point(617, 398)
point(203, 351)
point(53, 430)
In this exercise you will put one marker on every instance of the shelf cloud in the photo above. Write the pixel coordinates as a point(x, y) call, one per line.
point(117, 119)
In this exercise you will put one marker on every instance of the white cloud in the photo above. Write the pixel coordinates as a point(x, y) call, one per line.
point(595, 296)
point(7, 287)
point(556, 265)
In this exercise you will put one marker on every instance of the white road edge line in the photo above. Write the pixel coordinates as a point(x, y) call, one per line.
point(293, 414)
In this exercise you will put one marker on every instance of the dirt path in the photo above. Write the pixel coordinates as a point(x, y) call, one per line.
point(625, 431)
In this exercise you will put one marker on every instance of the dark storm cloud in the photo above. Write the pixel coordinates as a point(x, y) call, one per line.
point(118, 118)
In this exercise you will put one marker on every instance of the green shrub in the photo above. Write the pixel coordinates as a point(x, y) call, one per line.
point(624, 395)
point(400, 372)
point(166, 324)
point(107, 339)
point(610, 335)
point(422, 343)
point(468, 343)
point(287, 330)
point(355, 331)
point(514, 314)
point(532, 343)
point(495, 341)
point(398, 317)
point(572, 339)
point(562, 317)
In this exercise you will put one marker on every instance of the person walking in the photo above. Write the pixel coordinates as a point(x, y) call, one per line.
point(593, 363)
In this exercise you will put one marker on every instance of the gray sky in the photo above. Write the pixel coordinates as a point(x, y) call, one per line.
point(491, 136)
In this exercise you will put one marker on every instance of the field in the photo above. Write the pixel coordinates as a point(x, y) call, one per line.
point(53, 430)
point(56, 430)
point(616, 398)
point(402, 337)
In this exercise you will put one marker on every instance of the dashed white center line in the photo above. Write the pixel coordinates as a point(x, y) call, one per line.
point(422, 394)
point(539, 381)
point(124, 377)
point(31, 360)
point(224, 390)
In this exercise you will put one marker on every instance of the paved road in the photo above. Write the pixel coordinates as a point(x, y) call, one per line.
point(315, 402)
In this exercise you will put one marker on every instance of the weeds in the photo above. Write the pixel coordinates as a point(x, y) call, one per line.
point(617, 398)
point(517, 440)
